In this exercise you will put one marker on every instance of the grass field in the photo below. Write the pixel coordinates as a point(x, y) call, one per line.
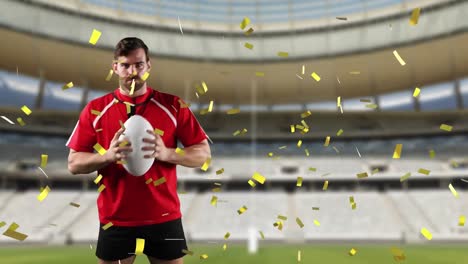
point(322, 254)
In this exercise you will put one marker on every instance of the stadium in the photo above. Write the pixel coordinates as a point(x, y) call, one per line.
point(337, 127)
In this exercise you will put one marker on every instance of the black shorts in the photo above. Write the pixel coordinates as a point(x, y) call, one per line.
point(163, 241)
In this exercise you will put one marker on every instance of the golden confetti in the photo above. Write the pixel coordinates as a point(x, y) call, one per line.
point(216, 190)
point(159, 181)
point(43, 194)
point(233, 111)
point(405, 177)
point(315, 208)
point(307, 152)
point(461, 220)
point(354, 72)
point(210, 107)
point(140, 245)
point(325, 186)
point(293, 129)
point(339, 132)
point(312, 169)
point(342, 18)
point(180, 151)
point(26, 110)
point(206, 165)
point(224, 247)
point(299, 143)
point(12, 233)
point(261, 234)
point(242, 210)
point(299, 182)
point(44, 158)
point(95, 36)
point(352, 252)
point(148, 181)
point(424, 171)
point(362, 175)
point(20, 121)
point(98, 179)
point(426, 233)
point(107, 226)
point(372, 106)
point(299, 256)
point(214, 200)
point(159, 132)
point(145, 76)
point(101, 188)
point(227, 235)
point(279, 225)
point(365, 100)
point(400, 60)
point(270, 154)
point(398, 254)
point(282, 217)
point(252, 183)
point(446, 127)
point(306, 114)
point(99, 149)
point(132, 87)
point(259, 178)
point(432, 154)
point(248, 45)
point(415, 16)
point(245, 22)
point(248, 32)
point(74, 204)
point(299, 222)
point(416, 92)
point(283, 54)
point(95, 112)
point(338, 101)
point(260, 74)
point(67, 86)
point(109, 75)
point(204, 256)
point(316, 222)
point(397, 151)
point(188, 252)
point(220, 171)
point(327, 141)
point(315, 76)
point(454, 192)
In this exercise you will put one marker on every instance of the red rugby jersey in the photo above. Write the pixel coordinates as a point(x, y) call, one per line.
point(127, 200)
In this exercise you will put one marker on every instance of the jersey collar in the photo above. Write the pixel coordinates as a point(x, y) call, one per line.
point(133, 100)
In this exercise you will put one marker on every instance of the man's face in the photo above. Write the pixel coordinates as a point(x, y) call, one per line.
point(131, 67)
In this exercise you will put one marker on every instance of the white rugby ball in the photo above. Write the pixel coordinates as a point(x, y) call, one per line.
point(135, 131)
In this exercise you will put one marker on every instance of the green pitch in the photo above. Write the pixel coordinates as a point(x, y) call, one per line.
point(235, 254)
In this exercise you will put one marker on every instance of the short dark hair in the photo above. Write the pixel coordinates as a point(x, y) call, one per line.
point(126, 45)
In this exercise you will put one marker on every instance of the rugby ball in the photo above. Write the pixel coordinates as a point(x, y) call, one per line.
point(135, 131)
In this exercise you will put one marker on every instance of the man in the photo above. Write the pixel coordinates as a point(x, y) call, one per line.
point(137, 209)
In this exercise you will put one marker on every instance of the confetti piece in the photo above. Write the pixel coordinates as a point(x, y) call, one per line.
point(354, 72)
point(424, 171)
point(214, 200)
point(415, 16)
point(227, 235)
point(248, 32)
point(43, 194)
point(426, 233)
point(397, 151)
point(405, 177)
point(260, 74)
point(145, 76)
point(245, 22)
point(132, 87)
point(98, 179)
point(339, 132)
point(299, 143)
point(446, 127)
point(67, 86)
point(362, 175)
point(306, 114)
point(307, 152)
point(148, 181)
point(312, 169)
point(299, 256)
point(259, 178)
point(293, 129)
point(101, 188)
point(159, 181)
point(461, 220)
point(233, 111)
point(279, 225)
point(299, 182)
point(398, 254)
point(327, 141)
point(270, 154)
point(180, 151)
point(252, 183)
point(216, 190)
point(416, 92)
point(338, 101)
point(206, 165)
point(432, 154)
point(99, 149)
point(299, 222)
point(315, 208)
point(249, 45)
point(242, 210)
point(400, 60)
point(325, 186)
point(95, 112)
point(365, 100)
point(12, 233)
point(7, 119)
point(299, 77)
point(342, 18)
point(210, 107)
point(188, 252)
point(352, 252)
point(140, 245)
point(95, 36)
point(224, 247)
point(220, 171)
point(282, 217)
point(74, 204)
point(159, 132)
point(2, 224)
point(109, 75)
point(283, 54)
point(107, 226)
point(454, 164)
point(315, 76)
point(204, 256)
point(372, 106)
point(20, 121)
point(454, 192)
point(44, 158)
point(316, 222)
point(261, 234)
point(240, 132)
point(26, 110)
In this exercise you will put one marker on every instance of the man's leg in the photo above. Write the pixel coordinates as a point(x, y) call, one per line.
point(128, 260)
point(154, 260)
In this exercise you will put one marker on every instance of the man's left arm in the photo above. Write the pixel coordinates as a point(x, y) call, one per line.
point(193, 156)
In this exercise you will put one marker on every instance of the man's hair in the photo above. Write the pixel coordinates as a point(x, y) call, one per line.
point(126, 45)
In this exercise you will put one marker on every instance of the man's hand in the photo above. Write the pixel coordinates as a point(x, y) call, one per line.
point(118, 149)
point(160, 151)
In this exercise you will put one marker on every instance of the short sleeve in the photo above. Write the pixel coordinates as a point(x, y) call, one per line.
point(189, 131)
point(83, 136)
